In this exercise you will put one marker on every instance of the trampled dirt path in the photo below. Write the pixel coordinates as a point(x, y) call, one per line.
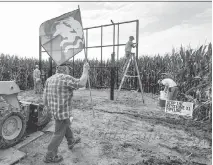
point(126, 132)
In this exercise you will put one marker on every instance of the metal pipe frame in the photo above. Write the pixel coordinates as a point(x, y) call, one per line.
point(101, 46)
point(87, 41)
point(114, 38)
point(137, 41)
point(101, 55)
point(118, 23)
point(40, 53)
point(50, 60)
point(117, 84)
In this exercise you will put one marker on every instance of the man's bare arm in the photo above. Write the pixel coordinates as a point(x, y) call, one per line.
point(80, 83)
point(83, 80)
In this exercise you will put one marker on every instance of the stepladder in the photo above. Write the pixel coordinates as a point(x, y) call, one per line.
point(131, 60)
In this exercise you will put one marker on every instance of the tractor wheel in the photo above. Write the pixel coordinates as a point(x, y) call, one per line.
point(12, 129)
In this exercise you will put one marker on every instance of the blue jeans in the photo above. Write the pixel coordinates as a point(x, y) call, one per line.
point(62, 128)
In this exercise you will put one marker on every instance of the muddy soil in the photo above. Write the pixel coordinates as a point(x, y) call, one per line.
point(126, 132)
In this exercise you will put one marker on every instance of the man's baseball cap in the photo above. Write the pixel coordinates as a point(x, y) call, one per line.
point(64, 65)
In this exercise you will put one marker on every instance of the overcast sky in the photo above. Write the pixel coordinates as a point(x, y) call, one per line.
point(163, 25)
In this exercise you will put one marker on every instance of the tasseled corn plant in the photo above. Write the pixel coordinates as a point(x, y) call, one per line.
point(191, 69)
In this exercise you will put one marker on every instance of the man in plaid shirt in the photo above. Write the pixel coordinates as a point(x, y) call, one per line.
point(57, 97)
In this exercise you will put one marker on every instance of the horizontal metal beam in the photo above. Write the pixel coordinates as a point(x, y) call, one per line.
point(106, 46)
point(118, 23)
point(94, 47)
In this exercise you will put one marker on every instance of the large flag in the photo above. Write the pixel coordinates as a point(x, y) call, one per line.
point(62, 37)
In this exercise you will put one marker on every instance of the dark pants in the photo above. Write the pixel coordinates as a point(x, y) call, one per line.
point(62, 128)
point(173, 91)
point(127, 58)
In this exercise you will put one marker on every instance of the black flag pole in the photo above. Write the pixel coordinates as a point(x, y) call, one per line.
point(85, 52)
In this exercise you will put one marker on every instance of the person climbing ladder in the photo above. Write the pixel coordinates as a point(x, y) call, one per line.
point(128, 51)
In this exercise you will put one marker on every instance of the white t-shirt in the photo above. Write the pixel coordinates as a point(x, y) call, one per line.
point(169, 82)
point(36, 73)
point(128, 46)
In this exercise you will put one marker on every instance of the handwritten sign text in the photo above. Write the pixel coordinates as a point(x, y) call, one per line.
point(179, 108)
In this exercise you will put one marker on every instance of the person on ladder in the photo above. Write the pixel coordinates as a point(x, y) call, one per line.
point(129, 55)
point(128, 51)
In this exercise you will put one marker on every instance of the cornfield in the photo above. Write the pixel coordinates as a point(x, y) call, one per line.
point(191, 69)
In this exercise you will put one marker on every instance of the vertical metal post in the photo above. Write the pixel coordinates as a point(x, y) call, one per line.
point(40, 53)
point(50, 59)
point(73, 65)
point(117, 56)
point(137, 42)
point(137, 38)
point(113, 65)
point(101, 83)
point(87, 42)
point(62, 53)
point(101, 45)
point(73, 73)
point(114, 38)
point(117, 72)
point(112, 77)
point(86, 59)
point(87, 47)
point(118, 43)
point(51, 66)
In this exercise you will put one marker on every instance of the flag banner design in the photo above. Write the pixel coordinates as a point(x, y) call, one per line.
point(62, 37)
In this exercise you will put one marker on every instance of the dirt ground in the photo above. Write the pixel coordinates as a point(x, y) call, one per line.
point(126, 132)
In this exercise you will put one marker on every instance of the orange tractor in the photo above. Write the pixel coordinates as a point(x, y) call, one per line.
point(16, 115)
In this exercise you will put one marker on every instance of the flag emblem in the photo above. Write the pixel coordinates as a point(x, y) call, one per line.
point(62, 37)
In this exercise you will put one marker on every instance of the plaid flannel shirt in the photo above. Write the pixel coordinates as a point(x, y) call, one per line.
point(58, 94)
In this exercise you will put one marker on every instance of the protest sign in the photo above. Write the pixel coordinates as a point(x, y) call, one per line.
point(179, 108)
